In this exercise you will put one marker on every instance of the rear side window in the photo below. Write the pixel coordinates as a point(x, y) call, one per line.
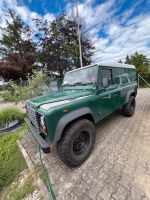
point(124, 79)
point(132, 74)
point(117, 72)
point(107, 73)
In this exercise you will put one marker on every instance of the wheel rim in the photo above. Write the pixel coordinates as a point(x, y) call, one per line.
point(81, 141)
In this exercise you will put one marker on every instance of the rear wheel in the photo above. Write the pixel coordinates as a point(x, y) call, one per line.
point(129, 108)
point(77, 142)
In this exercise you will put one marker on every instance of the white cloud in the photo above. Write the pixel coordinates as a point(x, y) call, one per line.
point(92, 15)
point(49, 17)
point(124, 34)
point(23, 11)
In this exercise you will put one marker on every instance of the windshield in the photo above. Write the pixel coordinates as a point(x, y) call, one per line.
point(81, 77)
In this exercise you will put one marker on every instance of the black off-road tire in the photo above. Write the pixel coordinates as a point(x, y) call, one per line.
point(129, 108)
point(68, 146)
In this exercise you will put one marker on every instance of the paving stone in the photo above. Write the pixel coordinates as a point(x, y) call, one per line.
point(121, 193)
point(106, 193)
point(125, 181)
point(136, 192)
point(95, 188)
point(119, 166)
point(129, 170)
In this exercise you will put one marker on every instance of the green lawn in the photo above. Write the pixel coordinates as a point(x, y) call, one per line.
point(11, 159)
point(13, 192)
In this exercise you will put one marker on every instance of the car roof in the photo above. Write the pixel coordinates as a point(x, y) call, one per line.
point(120, 65)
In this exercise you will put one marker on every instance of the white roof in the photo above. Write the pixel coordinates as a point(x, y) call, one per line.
point(120, 65)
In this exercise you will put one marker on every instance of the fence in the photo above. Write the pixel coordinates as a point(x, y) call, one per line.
point(144, 80)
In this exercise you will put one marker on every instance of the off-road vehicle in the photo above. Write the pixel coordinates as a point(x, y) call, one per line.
point(87, 95)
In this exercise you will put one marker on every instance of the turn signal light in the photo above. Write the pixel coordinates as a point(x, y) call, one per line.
point(44, 129)
point(65, 111)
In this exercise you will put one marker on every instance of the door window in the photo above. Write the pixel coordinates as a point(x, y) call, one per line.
point(106, 73)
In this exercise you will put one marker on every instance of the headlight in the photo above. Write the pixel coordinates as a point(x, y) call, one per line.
point(42, 123)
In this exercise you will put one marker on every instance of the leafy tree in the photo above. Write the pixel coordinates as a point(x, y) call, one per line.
point(141, 62)
point(127, 60)
point(58, 44)
point(35, 85)
point(17, 50)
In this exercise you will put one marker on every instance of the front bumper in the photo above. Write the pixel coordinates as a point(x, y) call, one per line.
point(42, 143)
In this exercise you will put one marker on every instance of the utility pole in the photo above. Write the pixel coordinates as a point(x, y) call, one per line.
point(79, 35)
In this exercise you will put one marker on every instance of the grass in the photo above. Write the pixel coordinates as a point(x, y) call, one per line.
point(144, 86)
point(11, 159)
point(10, 113)
point(39, 169)
point(21, 192)
point(20, 188)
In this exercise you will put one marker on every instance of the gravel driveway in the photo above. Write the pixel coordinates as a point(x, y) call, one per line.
point(119, 166)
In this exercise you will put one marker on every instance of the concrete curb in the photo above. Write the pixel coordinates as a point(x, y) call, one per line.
point(10, 128)
point(26, 156)
point(41, 186)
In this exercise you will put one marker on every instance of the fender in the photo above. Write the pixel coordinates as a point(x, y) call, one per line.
point(128, 94)
point(68, 118)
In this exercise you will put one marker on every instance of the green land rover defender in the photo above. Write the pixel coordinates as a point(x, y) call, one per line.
point(87, 95)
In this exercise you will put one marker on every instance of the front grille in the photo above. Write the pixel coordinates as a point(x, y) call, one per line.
point(33, 116)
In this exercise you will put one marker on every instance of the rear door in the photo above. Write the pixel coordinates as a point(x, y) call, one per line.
point(120, 81)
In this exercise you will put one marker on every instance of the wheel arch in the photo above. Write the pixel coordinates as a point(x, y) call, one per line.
point(66, 120)
point(133, 94)
point(130, 93)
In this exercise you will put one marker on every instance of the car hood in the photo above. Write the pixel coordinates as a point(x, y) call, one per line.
point(60, 95)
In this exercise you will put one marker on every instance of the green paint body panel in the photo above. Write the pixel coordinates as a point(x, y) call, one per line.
point(99, 100)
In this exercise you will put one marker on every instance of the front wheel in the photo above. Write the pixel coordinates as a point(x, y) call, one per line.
point(129, 108)
point(77, 142)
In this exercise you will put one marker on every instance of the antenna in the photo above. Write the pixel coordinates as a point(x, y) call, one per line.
point(79, 35)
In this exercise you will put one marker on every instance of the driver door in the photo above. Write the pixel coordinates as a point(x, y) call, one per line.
point(105, 97)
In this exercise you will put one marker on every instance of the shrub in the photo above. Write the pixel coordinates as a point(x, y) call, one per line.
point(1, 87)
point(9, 114)
point(1, 96)
point(35, 85)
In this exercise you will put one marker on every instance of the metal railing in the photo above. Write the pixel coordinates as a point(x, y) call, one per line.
point(140, 77)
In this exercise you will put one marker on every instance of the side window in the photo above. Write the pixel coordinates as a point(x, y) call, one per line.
point(124, 79)
point(106, 74)
point(131, 74)
point(117, 74)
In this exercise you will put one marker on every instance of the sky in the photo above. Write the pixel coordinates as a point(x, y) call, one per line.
point(116, 27)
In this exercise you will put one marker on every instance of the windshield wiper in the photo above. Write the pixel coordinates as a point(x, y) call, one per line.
point(90, 82)
point(67, 84)
point(77, 83)
point(81, 83)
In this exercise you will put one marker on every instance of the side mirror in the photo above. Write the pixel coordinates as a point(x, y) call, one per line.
point(105, 82)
